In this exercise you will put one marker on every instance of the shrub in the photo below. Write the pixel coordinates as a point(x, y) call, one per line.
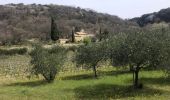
point(20, 51)
point(87, 40)
point(72, 48)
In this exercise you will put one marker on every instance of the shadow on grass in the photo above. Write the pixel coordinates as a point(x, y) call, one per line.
point(78, 77)
point(108, 91)
point(113, 73)
point(29, 84)
point(157, 81)
point(91, 76)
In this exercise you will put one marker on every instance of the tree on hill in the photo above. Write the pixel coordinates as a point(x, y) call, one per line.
point(55, 33)
point(77, 29)
point(100, 34)
point(103, 35)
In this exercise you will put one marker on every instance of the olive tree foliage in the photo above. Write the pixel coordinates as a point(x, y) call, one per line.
point(166, 62)
point(47, 62)
point(139, 50)
point(90, 55)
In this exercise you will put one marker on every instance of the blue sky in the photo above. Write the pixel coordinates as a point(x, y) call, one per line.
point(121, 8)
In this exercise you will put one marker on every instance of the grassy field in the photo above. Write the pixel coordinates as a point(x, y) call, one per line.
point(81, 85)
point(78, 84)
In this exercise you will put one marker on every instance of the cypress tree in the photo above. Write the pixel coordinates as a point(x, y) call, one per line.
point(72, 36)
point(100, 34)
point(54, 30)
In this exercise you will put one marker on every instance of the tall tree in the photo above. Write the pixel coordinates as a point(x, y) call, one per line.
point(55, 33)
point(100, 34)
point(72, 36)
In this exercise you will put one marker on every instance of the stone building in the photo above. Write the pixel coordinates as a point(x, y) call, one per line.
point(80, 36)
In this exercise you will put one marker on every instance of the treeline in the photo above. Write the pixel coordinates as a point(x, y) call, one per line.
point(156, 17)
point(21, 22)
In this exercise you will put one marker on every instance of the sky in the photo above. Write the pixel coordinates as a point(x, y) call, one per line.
point(122, 8)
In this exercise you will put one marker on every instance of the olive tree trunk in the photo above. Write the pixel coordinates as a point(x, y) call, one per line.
point(136, 77)
point(95, 72)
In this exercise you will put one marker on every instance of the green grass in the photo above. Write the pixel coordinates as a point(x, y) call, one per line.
point(78, 84)
point(68, 86)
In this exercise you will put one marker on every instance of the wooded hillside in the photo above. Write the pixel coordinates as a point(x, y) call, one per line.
point(19, 22)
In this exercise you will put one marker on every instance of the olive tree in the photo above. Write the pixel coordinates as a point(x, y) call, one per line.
point(166, 63)
point(47, 62)
point(138, 50)
point(89, 55)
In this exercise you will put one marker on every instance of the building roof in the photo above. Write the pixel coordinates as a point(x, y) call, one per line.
point(81, 33)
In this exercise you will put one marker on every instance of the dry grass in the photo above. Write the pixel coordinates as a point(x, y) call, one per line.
point(14, 66)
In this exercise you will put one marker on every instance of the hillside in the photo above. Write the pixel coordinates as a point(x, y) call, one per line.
point(156, 17)
point(19, 22)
